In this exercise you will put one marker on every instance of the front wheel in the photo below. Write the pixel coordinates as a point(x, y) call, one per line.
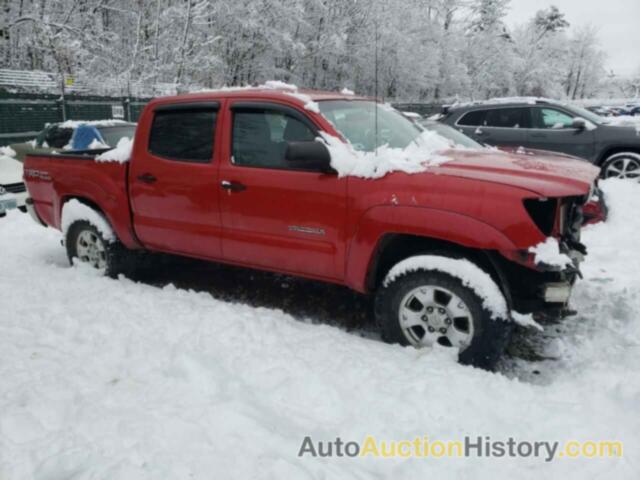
point(85, 243)
point(624, 165)
point(425, 307)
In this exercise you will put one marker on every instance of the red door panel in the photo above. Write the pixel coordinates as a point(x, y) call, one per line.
point(175, 202)
point(285, 220)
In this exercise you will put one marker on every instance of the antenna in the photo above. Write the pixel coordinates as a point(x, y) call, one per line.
point(375, 75)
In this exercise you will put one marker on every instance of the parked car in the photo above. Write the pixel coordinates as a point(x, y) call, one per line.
point(264, 194)
point(601, 111)
point(553, 126)
point(13, 192)
point(76, 135)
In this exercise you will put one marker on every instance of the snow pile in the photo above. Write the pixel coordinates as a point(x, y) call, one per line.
point(548, 253)
point(120, 154)
point(470, 274)
point(73, 210)
point(97, 145)
point(417, 157)
point(346, 91)
point(7, 151)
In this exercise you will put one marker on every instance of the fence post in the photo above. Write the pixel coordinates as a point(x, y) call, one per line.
point(127, 109)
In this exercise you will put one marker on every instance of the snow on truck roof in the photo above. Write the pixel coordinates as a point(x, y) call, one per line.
point(272, 89)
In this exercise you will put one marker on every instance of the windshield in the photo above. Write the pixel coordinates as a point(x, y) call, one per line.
point(454, 136)
point(356, 120)
point(586, 114)
point(111, 135)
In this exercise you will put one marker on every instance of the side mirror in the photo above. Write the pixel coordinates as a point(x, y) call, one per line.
point(579, 123)
point(309, 156)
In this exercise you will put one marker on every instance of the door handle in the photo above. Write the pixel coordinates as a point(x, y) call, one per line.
point(479, 131)
point(232, 186)
point(147, 178)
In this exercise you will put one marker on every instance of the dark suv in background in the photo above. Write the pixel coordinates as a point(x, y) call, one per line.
point(548, 125)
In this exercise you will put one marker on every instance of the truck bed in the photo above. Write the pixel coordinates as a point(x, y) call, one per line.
point(52, 179)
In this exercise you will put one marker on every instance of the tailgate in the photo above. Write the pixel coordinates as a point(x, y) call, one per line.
point(51, 179)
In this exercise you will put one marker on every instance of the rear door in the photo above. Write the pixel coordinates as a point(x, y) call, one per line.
point(499, 126)
point(273, 216)
point(552, 129)
point(173, 180)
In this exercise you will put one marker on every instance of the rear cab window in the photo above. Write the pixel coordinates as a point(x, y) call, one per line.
point(184, 132)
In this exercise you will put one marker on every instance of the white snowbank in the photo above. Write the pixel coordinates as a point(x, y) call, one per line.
point(346, 91)
point(73, 210)
point(470, 274)
point(548, 252)
point(120, 154)
point(417, 157)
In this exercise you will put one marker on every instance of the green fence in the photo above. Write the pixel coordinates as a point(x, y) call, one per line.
point(23, 115)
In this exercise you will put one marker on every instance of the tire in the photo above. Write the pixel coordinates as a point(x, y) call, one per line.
point(625, 165)
point(485, 337)
point(86, 244)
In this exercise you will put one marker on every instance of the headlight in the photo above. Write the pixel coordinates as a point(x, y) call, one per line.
point(543, 213)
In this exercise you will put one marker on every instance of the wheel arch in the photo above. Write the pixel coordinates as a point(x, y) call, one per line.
point(392, 248)
point(614, 150)
point(123, 232)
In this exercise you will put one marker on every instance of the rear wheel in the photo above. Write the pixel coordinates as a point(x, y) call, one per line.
point(426, 307)
point(85, 243)
point(624, 165)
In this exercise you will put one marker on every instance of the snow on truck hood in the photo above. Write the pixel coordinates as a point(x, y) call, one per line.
point(545, 174)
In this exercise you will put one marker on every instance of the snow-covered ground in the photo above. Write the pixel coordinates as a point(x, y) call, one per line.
point(112, 379)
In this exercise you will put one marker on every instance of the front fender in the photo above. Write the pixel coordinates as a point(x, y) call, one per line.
point(418, 221)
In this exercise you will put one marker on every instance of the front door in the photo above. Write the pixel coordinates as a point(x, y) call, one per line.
point(174, 181)
point(552, 129)
point(273, 216)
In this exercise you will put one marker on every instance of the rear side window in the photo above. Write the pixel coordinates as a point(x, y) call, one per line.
point(473, 119)
point(184, 134)
point(507, 118)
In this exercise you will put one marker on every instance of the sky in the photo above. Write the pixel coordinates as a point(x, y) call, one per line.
point(618, 22)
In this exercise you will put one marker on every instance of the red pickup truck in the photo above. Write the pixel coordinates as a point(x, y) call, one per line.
point(242, 177)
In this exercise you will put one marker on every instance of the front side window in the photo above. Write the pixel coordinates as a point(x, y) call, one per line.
point(183, 134)
point(552, 118)
point(260, 136)
point(506, 118)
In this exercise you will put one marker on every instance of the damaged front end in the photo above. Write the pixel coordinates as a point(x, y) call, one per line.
point(544, 288)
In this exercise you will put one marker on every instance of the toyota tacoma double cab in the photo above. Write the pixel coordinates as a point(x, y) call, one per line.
point(248, 177)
